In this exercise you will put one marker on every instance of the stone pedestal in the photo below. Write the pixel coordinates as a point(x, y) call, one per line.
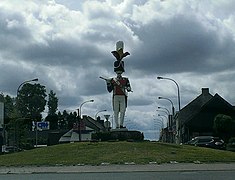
point(118, 135)
point(119, 130)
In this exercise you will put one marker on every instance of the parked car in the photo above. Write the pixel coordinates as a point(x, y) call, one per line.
point(10, 149)
point(207, 141)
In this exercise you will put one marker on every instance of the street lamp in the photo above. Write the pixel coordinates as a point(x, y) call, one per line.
point(18, 89)
point(80, 108)
point(99, 112)
point(160, 121)
point(161, 116)
point(168, 112)
point(80, 117)
point(178, 126)
point(163, 111)
point(159, 77)
point(172, 105)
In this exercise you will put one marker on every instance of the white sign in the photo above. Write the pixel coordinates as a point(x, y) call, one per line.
point(43, 125)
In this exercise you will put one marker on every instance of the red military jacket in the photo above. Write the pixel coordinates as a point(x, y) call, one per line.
point(119, 86)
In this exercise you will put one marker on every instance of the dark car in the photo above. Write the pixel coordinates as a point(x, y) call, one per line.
point(10, 149)
point(207, 141)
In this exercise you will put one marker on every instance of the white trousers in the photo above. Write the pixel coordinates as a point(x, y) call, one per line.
point(119, 108)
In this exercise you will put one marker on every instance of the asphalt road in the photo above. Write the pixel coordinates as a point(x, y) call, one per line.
point(176, 171)
point(190, 175)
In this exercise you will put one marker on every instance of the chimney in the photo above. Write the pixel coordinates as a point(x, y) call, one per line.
point(205, 91)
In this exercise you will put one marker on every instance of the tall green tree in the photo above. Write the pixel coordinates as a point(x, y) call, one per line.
point(52, 103)
point(72, 118)
point(8, 109)
point(64, 119)
point(1, 97)
point(224, 126)
point(31, 101)
point(53, 119)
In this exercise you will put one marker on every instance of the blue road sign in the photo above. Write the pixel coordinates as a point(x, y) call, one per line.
point(43, 125)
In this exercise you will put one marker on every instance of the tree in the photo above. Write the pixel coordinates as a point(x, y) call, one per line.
point(8, 109)
point(64, 119)
point(72, 118)
point(52, 103)
point(1, 97)
point(224, 126)
point(31, 101)
point(53, 119)
point(12, 120)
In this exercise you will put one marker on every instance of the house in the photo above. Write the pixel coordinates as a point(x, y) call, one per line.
point(87, 128)
point(197, 118)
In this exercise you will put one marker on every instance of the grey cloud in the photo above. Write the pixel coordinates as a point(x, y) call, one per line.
point(68, 101)
point(13, 32)
point(61, 52)
point(181, 45)
point(92, 86)
point(139, 101)
point(12, 75)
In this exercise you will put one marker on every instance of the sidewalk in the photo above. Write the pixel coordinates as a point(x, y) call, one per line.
point(119, 168)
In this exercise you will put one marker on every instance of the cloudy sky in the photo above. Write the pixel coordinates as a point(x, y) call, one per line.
point(67, 45)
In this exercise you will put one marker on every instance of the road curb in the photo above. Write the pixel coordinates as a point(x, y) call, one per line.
point(184, 167)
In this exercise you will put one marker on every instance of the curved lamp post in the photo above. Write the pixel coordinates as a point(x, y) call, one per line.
point(162, 111)
point(161, 116)
point(160, 121)
point(168, 112)
point(178, 89)
point(18, 89)
point(99, 112)
point(80, 117)
point(172, 105)
point(80, 108)
point(178, 127)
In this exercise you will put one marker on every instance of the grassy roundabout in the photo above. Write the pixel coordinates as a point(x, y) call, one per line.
point(96, 153)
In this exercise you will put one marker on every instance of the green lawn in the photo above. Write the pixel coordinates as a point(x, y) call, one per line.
point(114, 153)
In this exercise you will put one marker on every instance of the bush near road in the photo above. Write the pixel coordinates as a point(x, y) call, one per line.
point(231, 144)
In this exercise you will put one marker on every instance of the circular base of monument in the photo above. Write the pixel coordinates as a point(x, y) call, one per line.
point(122, 134)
